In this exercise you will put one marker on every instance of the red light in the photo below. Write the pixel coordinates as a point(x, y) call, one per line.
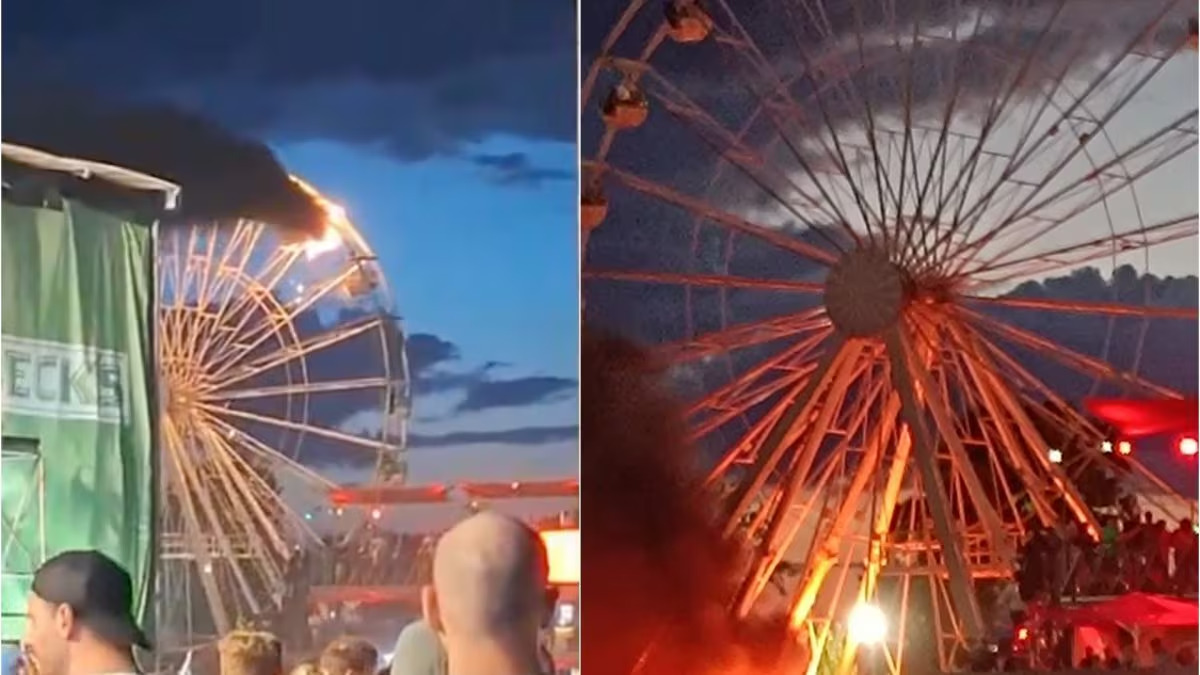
point(1188, 446)
point(1124, 448)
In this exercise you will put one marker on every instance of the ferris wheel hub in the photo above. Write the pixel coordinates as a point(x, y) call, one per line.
point(865, 293)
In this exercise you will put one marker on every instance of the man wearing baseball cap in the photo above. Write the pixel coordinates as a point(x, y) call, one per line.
point(80, 619)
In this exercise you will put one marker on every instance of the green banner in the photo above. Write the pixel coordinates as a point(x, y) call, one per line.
point(77, 374)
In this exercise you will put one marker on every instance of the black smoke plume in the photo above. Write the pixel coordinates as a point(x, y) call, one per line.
point(223, 176)
point(659, 573)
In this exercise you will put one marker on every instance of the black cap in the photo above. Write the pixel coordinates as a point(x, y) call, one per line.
point(99, 592)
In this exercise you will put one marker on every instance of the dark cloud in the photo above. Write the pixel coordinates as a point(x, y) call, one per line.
point(408, 80)
point(516, 392)
point(515, 168)
point(519, 436)
point(319, 453)
point(425, 351)
point(223, 176)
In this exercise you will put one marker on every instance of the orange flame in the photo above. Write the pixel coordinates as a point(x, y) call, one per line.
point(335, 217)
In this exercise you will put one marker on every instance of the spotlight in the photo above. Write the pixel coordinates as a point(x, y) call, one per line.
point(867, 624)
point(1188, 446)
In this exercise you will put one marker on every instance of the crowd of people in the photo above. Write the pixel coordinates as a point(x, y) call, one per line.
point(1134, 553)
point(484, 612)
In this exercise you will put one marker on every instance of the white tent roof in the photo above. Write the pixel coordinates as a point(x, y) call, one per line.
point(85, 169)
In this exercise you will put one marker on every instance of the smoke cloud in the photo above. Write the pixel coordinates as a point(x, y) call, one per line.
point(658, 569)
point(223, 176)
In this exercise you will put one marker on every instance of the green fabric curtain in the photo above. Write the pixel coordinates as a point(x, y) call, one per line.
point(77, 375)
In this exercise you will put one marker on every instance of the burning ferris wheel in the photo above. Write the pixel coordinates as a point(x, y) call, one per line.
point(280, 357)
point(821, 209)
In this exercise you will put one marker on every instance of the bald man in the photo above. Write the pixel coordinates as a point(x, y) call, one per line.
point(489, 596)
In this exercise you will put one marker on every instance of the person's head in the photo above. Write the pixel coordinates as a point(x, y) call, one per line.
point(250, 652)
point(80, 607)
point(348, 656)
point(418, 651)
point(305, 668)
point(489, 584)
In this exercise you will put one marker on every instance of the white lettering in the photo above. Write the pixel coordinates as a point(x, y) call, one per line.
point(40, 378)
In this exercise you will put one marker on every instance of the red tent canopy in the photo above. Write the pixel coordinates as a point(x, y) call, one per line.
point(1138, 418)
point(1136, 610)
point(368, 495)
point(522, 489)
point(366, 595)
point(376, 495)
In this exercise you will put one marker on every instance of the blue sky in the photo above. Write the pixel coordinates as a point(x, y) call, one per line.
point(488, 265)
point(492, 267)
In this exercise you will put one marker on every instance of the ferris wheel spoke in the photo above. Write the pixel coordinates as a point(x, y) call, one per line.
point(203, 490)
point(192, 530)
point(1099, 127)
point(935, 174)
point(246, 558)
point(903, 363)
point(705, 280)
point(980, 384)
point(1112, 184)
point(244, 478)
point(825, 556)
point(975, 348)
point(728, 145)
point(786, 361)
point(1073, 421)
point(743, 335)
point(775, 525)
point(745, 449)
point(300, 427)
point(1088, 307)
point(1074, 255)
point(301, 350)
point(737, 406)
point(694, 205)
point(927, 392)
point(1066, 356)
point(834, 369)
point(248, 343)
point(776, 100)
point(240, 310)
point(954, 199)
point(269, 454)
point(304, 389)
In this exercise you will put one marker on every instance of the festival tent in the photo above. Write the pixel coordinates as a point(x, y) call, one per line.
point(1138, 611)
point(1140, 418)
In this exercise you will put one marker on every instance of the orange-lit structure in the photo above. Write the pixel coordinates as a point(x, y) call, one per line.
point(853, 239)
point(258, 326)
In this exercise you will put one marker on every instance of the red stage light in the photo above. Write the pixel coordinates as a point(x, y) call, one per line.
point(1188, 446)
point(1124, 448)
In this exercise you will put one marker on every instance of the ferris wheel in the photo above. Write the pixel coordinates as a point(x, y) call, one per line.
point(822, 211)
point(280, 359)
